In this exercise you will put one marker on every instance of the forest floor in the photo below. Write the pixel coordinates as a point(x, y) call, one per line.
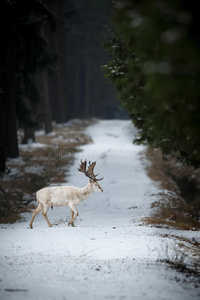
point(139, 239)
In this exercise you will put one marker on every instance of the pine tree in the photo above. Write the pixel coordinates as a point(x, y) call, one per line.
point(158, 77)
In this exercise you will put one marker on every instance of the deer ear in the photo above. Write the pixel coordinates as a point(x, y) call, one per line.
point(90, 180)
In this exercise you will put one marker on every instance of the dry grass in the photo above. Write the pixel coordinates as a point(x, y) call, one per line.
point(17, 190)
point(179, 208)
point(171, 218)
point(185, 258)
point(188, 245)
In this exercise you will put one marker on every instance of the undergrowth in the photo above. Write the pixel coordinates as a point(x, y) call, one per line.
point(178, 260)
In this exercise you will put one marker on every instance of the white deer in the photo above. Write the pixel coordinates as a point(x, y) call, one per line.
point(67, 195)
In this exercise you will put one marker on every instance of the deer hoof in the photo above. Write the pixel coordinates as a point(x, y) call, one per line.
point(71, 223)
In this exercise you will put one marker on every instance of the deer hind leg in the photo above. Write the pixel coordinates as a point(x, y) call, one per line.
point(36, 211)
point(73, 210)
point(71, 222)
point(46, 208)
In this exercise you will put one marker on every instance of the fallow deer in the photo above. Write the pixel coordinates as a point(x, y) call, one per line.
point(67, 195)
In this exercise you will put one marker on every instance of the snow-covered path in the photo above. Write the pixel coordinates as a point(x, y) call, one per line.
point(108, 255)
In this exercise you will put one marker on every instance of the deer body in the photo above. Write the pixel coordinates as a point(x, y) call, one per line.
point(63, 196)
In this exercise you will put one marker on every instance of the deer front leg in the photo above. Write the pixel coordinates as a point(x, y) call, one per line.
point(71, 222)
point(73, 210)
point(36, 211)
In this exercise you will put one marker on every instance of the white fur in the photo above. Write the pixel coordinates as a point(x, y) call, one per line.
point(63, 196)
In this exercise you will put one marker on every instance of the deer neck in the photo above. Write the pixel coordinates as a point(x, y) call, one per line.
point(87, 191)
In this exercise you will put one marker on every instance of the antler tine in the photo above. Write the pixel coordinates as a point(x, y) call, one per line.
point(82, 167)
point(98, 179)
point(90, 170)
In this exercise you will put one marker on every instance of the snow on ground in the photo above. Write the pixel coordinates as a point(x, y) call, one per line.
point(109, 255)
point(31, 146)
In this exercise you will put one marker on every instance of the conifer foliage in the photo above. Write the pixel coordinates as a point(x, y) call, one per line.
point(156, 71)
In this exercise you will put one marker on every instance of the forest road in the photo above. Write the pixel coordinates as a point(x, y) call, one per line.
point(110, 254)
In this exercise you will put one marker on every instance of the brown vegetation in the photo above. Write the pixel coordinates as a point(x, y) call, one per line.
point(179, 207)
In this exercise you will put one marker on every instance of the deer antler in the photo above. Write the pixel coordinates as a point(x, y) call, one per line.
point(90, 171)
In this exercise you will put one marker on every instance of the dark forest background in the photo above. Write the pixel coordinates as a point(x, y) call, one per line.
point(50, 60)
point(53, 60)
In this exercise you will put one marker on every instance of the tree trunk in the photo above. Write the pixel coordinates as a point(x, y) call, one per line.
point(87, 76)
point(46, 104)
point(61, 38)
point(58, 83)
point(2, 106)
point(55, 99)
point(29, 134)
point(10, 87)
point(76, 107)
point(2, 133)
point(41, 81)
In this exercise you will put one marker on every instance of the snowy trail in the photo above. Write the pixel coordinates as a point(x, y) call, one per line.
point(108, 255)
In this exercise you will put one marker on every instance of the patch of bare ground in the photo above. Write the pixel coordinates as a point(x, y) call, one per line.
point(40, 164)
point(179, 199)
